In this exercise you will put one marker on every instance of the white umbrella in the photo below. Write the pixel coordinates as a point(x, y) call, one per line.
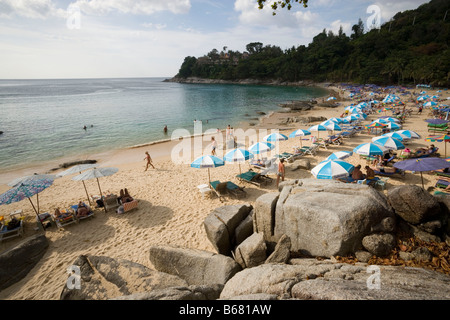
point(78, 169)
point(96, 173)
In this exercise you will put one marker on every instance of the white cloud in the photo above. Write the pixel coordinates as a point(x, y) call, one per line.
point(389, 8)
point(154, 25)
point(144, 7)
point(36, 9)
point(335, 26)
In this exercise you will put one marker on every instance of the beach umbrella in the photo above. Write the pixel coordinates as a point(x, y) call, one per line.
point(261, 147)
point(430, 104)
point(275, 137)
point(331, 98)
point(332, 126)
point(339, 155)
point(33, 177)
point(394, 126)
point(78, 169)
point(208, 161)
point(332, 169)
point(423, 98)
point(26, 189)
point(317, 128)
point(409, 133)
point(396, 135)
point(300, 133)
point(96, 173)
point(238, 155)
point(370, 149)
point(442, 138)
point(376, 125)
point(389, 142)
point(389, 119)
point(422, 165)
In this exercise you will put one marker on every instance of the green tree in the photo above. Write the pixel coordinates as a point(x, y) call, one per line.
point(283, 4)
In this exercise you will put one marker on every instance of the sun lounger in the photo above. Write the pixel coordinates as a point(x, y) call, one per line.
point(15, 232)
point(390, 174)
point(254, 178)
point(228, 188)
point(442, 184)
point(90, 214)
point(128, 206)
point(67, 217)
point(110, 202)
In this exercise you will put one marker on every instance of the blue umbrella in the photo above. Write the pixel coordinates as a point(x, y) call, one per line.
point(339, 155)
point(370, 149)
point(300, 133)
point(261, 147)
point(389, 142)
point(396, 135)
point(409, 133)
point(26, 189)
point(208, 161)
point(422, 164)
point(332, 169)
point(275, 137)
point(317, 128)
point(238, 155)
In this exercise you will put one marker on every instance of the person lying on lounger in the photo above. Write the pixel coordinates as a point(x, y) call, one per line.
point(82, 210)
point(60, 215)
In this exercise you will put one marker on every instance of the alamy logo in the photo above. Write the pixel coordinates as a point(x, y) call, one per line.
point(73, 17)
point(374, 21)
point(74, 280)
point(374, 280)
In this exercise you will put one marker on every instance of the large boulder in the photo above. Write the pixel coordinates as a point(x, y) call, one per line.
point(178, 293)
point(325, 217)
point(220, 226)
point(19, 260)
point(196, 267)
point(325, 280)
point(413, 204)
point(264, 215)
point(103, 278)
point(251, 252)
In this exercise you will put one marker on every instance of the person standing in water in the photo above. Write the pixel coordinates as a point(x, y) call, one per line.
point(149, 161)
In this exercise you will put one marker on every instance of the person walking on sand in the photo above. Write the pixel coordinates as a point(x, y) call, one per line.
point(213, 146)
point(281, 170)
point(149, 161)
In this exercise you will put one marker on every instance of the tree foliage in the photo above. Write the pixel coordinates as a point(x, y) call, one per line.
point(283, 4)
point(411, 48)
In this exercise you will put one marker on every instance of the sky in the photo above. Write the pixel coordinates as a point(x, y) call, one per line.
point(52, 39)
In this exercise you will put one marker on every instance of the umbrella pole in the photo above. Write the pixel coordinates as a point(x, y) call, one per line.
point(87, 195)
point(37, 199)
point(421, 176)
point(209, 177)
point(101, 194)
point(37, 214)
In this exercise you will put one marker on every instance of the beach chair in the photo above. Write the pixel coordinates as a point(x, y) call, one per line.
point(67, 218)
point(312, 150)
point(382, 172)
point(7, 233)
point(223, 189)
point(90, 214)
point(128, 206)
point(110, 202)
point(254, 178)
point(440, 183)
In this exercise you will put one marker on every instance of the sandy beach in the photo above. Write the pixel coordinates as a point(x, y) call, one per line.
point(171, 209)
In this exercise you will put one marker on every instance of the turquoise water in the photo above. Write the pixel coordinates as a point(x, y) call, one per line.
point(43, 119)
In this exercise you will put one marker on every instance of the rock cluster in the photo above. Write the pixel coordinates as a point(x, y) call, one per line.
point(258, 248)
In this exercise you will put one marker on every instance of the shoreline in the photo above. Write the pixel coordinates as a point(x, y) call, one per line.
point(156, 148)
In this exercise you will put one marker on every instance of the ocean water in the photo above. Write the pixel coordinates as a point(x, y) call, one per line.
point(43, 120)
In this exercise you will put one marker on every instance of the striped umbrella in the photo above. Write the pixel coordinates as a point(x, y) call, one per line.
point(370, 149)
point(396, 135)
point(332, 169)
point(300, 133)
point(238, 155)
point(317, 128)
point(389, 143)
point(394, 126)
point(409, 133)
point(208, 161)
point(443, 138)
point(275, 137)
point(261, 147)
point(339, 155)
